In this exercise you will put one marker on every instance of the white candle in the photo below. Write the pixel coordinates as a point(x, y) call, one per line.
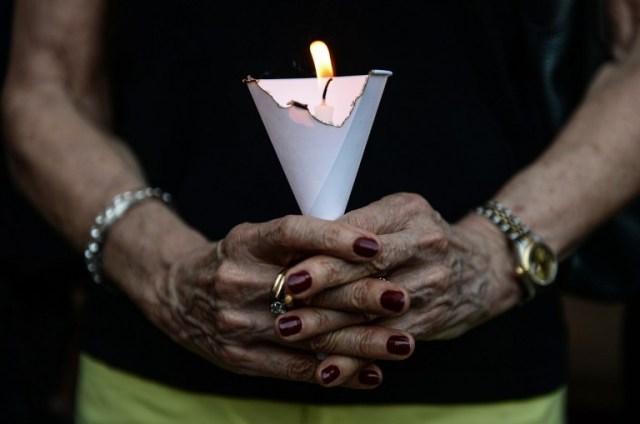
point(324, 112)
point(324, 69)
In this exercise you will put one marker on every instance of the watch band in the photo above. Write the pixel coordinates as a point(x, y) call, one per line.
point(536, 263)
point(506, 220)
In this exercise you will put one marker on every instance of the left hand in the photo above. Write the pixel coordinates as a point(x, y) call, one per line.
point(457, 276)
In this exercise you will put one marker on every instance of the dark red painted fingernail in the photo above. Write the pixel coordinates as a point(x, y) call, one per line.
point(289, 326)
point(392, 300)
point(398, 345)
point(298, 282)
point(365, 247)
point(369, 377)
point(329, 374)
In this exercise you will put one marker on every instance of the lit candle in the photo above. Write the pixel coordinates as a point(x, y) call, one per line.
point(324, 73)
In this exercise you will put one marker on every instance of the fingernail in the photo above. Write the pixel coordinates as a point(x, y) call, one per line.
point(392, 300)
point(369, 377)
point(298, 282)
point(289, 326)
point(398, 345)
point(365, 247)
point(329, 374)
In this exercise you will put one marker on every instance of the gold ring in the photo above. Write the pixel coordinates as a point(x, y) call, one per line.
point(279, 301)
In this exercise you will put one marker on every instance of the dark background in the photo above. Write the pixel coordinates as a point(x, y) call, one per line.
point(41, 283)
point(41, 296)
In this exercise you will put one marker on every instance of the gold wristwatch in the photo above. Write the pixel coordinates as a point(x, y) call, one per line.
point(537, 264)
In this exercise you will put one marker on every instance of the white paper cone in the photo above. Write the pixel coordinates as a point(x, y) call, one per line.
point(320, 160)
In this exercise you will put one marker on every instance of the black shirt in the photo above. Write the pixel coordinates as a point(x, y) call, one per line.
point(458, 117)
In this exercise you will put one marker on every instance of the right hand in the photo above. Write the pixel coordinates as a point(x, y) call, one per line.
point(457, 275)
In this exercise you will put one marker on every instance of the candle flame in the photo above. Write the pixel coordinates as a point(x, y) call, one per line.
point(321, 60)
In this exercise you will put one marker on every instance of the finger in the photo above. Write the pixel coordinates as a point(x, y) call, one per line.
point(319, 273)
point(314, 279)
point(345, 371)
point(271, 360)
point(382, 217)
point(363, 341)
point(351, 304)
point(368, 377)
point(373, 296)
point(297, 233)
point(410, 230)
point(308, 322)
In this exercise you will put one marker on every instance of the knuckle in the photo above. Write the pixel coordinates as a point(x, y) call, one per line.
point(237, 237)
point(278, 231)
point(324, 343)
point(300, 369)
point(286, 227)
point(384, 262)
point(232, 325)
point(330, 269)
point(361, 219)
point(440, 279)
point(331, 236)
point(320, 319)
point(414, 202)
point(358, 295)
point(366, 343)
point(436, 240)
point(360, 343)
point(239, 230)
point(391, 252)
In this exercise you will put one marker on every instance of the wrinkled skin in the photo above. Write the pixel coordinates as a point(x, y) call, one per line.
point(215, 302)
point(449, 271)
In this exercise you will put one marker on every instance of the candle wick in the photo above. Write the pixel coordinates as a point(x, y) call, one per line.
point(324, 93)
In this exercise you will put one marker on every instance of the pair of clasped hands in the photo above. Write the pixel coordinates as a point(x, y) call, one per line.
point(366, 287)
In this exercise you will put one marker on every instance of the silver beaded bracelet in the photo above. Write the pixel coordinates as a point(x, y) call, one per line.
point(118, 207)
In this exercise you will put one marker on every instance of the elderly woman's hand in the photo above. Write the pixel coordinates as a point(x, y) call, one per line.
point(215, 301)
point(458, 276)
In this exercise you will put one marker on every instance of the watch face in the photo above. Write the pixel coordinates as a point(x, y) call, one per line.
point(540, 263)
